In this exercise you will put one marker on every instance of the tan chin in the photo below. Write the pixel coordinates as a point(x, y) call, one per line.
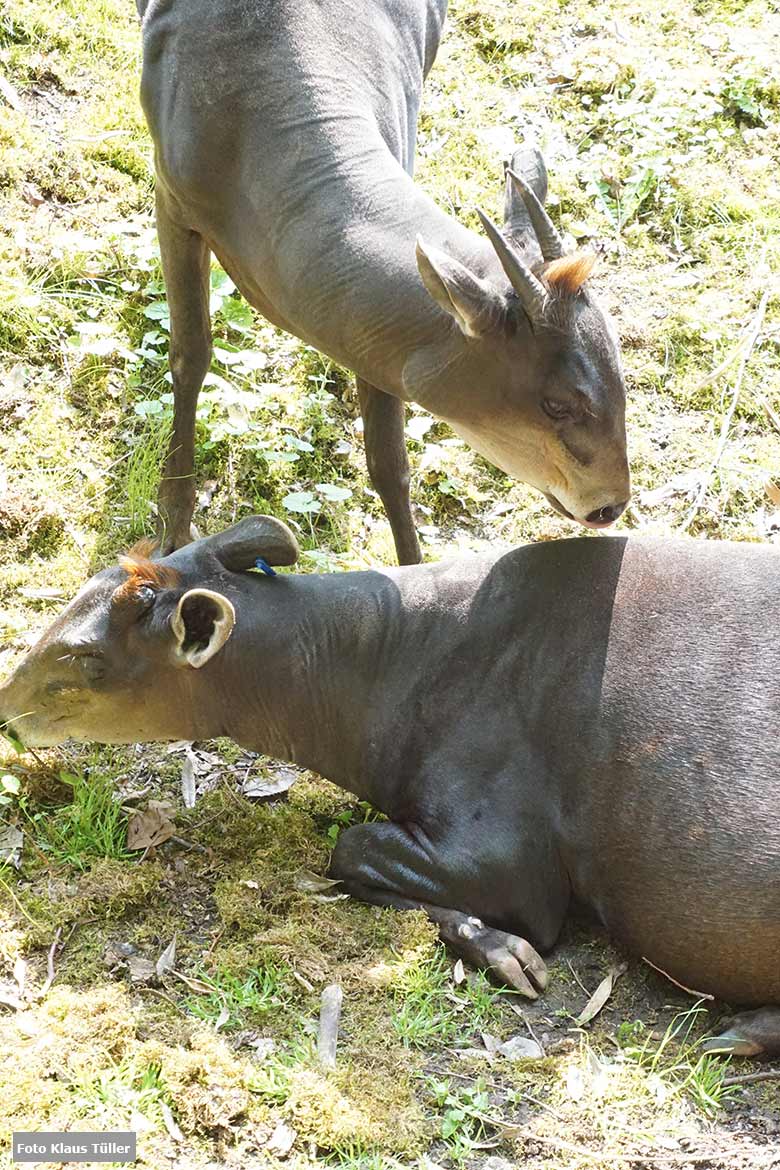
point(556, 503)
point(35, 740)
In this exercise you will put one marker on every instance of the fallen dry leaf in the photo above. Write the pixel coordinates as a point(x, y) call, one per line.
point(20, 974)
point(196, 985)
point(170, 1123)
point(151, 826)
point(773, 491)
point(141, 970)
point(458, 973)
point(302, 980)
point(281, 1140)
point(264, 786)
point(313, 883)
point(263, 1046)
point(600, 995)
point(684, 484)
point(11, 841)
point(32, 195)
point(222, 1018)
point(492, 1043)
point(166, 959)
point(9, 999)
point(188, 770)
point(9, 94)
point(116, 954)
point(519, 1048)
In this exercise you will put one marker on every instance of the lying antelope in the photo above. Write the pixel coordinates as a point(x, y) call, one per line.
point(584, 720)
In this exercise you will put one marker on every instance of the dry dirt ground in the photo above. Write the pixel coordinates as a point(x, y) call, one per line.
point(661, 129)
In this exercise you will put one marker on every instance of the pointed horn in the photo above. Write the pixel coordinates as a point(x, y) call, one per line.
point(546, 232)
point(530, 290)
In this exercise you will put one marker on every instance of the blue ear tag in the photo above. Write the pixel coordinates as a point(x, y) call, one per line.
point(265, 567)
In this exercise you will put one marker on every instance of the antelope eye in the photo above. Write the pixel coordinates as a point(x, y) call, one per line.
point(555, 409)
point(92, 666)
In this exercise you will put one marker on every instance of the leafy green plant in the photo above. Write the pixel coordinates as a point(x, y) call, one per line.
point(623, 202)
point(356, 1156)
point(462, 1115)
point(271, 1080)
point(742, 99)
point(361, 815)
point(10, 787)
point(11, 739)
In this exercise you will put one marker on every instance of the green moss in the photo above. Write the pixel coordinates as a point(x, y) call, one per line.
point(108, 891)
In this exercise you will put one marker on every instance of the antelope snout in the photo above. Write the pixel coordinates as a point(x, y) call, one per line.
point(603, 517)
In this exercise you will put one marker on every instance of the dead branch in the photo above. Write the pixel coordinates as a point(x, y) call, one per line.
point(50, 963)
point(330, 1015)
point(576, 976)
point(769, 1074)
point(688, 990)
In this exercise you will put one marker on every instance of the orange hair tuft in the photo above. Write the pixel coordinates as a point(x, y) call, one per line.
point(566, 275)
point(143, 571)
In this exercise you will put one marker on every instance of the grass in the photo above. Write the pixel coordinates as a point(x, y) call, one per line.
point(91, 825)
point(143, 475)
point(661, 131)
point(126, 1089)
point(232, 1001)
point(431, 1009)
point(679, 1063)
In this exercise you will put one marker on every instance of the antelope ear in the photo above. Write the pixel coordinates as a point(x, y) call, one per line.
point(265, 537)
point(529, 164)
point(201, 626)
point(474, 304)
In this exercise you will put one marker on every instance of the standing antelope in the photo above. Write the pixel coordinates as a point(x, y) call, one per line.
point(284, 136)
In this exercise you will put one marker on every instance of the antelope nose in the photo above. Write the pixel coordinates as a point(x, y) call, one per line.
point(606, 515)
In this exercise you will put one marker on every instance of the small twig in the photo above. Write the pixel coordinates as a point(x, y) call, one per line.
point(690, 990)
point(18, 904)
point(102, 136)
point(748, 346)
point(613, 1158)
point(330, 1014)
point(9, 94)
point(189, 844)
point(770, 412)
point(576, 976)
point(304, 983)
point(728, 361)
point(769, 1074)
point(50, 963)
point(162, 995)
point(532, 1034)
point(519, 1012)
point(214, 942)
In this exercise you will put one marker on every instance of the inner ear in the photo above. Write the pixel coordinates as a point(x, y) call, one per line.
point(201, 625)
point(474, 304)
